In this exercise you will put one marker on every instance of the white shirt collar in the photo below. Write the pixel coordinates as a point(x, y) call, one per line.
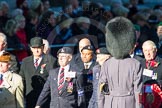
point(89, 64)
point(5, 74)
point(39, 60)
point(132, 55)
point(66, 68)
point(1, 52)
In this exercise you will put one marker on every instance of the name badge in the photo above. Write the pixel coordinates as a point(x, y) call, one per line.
point(148, 72)
point(70, 74)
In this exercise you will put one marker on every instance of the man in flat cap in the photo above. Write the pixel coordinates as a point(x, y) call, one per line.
point(102, 55)
point(11, 85)
point(34, 71)
point(64, 84)
point(122, 73)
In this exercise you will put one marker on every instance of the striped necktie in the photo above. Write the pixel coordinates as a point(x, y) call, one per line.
point(36, 63)
point(61, 81)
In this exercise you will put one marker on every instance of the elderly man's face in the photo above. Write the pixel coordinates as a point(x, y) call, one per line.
point(149, 52)
point(4, 67)
point(64, 59)
point(37, 51)
point(86, 55)
point(2, 45)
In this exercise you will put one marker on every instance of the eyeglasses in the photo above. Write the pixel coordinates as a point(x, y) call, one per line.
point(62, 56)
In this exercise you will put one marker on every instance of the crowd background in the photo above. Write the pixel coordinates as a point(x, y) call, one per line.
point(64, 23)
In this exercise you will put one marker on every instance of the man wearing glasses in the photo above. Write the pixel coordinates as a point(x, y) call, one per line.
point(64, 84)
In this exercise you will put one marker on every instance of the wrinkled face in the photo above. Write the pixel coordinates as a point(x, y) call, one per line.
point(86, 55)
point(149, 52)
point(2, 45)
point(64, 59)
point(4, 67)
point(37, 51)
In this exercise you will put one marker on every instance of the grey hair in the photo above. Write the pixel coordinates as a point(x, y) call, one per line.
point(3, 38)
point(46, 43)
point(149, 42)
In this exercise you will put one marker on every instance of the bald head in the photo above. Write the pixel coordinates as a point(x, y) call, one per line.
point(83, 42)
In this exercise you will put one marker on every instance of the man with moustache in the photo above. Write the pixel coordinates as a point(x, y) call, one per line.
point(64, 84)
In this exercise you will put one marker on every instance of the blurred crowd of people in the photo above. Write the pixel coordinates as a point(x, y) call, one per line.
point(72, 22)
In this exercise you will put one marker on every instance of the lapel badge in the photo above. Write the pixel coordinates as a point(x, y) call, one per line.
point(42, 68)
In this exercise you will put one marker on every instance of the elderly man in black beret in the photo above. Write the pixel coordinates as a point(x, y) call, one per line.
point(102, 55)
point(34, 71)
point(85, 65)
point(122, 73)
point(64, 84)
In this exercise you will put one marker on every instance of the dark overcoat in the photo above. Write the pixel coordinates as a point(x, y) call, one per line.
point(65, 99)
point(34, 78)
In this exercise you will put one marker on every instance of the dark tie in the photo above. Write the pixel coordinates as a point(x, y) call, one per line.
point(61, 81)
point(1, 79)
point(86, 66)
point(36, 63)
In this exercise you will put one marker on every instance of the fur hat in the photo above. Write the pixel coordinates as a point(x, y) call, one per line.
point(120, 37)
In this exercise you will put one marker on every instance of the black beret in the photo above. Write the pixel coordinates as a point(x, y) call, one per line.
point(120, 37)
point(102, 50)
point(65, 50)
point(88, 47)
